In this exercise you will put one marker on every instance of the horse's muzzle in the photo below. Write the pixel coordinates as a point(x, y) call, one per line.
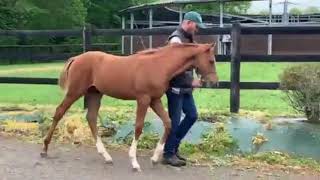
point(210, 84)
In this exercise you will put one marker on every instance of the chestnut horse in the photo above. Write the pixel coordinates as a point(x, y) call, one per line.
point(143, 77)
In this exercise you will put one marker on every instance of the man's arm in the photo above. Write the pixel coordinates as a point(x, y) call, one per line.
point(175, 39)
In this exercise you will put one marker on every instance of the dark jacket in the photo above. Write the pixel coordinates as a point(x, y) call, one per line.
point(184, 79)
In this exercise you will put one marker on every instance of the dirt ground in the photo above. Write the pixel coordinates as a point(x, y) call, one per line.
point(21, 160)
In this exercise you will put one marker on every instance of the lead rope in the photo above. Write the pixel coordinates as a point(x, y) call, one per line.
point(198, 76)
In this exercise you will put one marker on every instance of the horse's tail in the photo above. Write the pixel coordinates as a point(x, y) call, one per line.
point(64, 74)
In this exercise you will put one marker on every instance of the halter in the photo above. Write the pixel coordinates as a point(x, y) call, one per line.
point(206, 74)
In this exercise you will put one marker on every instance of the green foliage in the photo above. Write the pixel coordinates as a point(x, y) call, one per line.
point(45, 123)
point(117, 116)
point(146, 140)
point(312, 10)
point(295, 11)
point(280, 158)
point(104, 13)
point(188, 149)
point(60, 14)
point(302, 86)
point(218, 142)
point(138, 2)
point(308, 162)
point(11, 17)
point(51, 15)
point(270, 157)
point(39, 14)
point(264, 12)
point(232, 7)
point(213, 116)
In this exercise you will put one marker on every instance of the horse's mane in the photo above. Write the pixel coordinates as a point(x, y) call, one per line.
point(148, 51)
point(159, 49)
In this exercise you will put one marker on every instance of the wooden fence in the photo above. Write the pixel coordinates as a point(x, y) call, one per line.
point(235, 59)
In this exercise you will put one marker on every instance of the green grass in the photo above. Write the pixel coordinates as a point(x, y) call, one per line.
point(32, 70)
point(262, 100)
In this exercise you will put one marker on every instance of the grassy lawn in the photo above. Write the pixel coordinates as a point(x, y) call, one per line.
point(262, 100)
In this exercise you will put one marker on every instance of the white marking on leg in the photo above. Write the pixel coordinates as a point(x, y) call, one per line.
point(133, 156)
point(102, 150)
point(157, 152)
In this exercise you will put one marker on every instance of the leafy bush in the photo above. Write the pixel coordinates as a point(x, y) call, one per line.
point(146, 140)
point(302, 86)
point(218, 142)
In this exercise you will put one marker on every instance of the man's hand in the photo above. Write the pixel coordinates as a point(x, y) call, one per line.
point(196, 83)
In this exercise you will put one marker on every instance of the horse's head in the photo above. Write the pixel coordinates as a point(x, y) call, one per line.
point(205, 64)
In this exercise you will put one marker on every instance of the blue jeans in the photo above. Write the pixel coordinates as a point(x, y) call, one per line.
point(176, 104)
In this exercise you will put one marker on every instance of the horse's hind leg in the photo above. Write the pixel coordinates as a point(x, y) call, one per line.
point(68, 100)
point(157, 107)
point(94, 99)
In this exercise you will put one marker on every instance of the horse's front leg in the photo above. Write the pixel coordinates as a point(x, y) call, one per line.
point(157, 107)
point(142, 106)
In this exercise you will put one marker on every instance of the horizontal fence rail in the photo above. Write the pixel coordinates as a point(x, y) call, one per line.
point(222, 84)
point(280, 58)
point(271, 58)
point(214, 31)
point(307, 29)
point(41, 33)
point(22, 80)
point(245, 30)
point(58, 45)
point(38, 57)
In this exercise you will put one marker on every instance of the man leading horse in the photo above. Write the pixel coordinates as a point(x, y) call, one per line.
point(179, 94)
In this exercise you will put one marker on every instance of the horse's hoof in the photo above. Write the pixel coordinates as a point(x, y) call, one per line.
point(43, 154)
point(154, 162)
point(136, 169)
point(110, 162)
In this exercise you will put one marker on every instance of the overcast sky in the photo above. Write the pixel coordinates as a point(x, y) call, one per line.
point(278, 8)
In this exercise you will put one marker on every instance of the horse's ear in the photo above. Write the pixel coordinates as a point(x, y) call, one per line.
point(211, 46)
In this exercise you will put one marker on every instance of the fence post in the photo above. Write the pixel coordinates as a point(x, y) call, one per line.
point(86, 35)
point(235, 69)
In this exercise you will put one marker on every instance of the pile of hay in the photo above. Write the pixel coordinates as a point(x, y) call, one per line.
point(72, 129)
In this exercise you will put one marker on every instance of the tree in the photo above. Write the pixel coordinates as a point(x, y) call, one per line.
point(295, 11)
point(39, 14)
point(58, 14)
point(138, 2)
point(11, 17)
point(104, 13)
point(264, 12)
point(232, 7)
point(312, 10)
